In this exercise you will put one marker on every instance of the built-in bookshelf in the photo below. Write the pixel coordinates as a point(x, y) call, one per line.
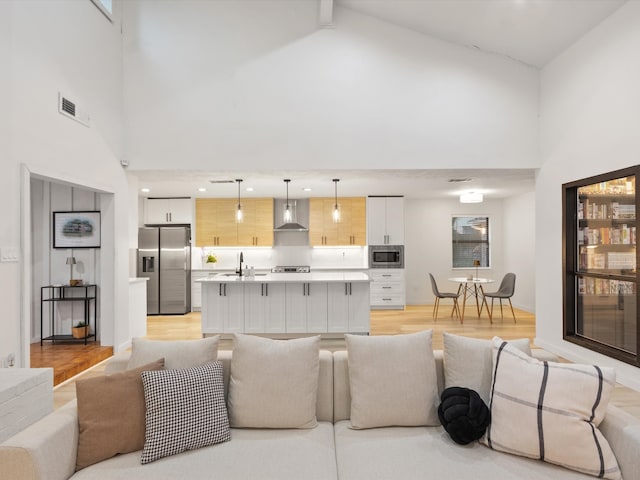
point(600, 259)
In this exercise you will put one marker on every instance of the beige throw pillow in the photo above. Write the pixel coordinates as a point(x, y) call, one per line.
point(111, 415)
point(550, 411)
point(468, 362)
point(176, 354)
point(393, 380)
point(273, 383)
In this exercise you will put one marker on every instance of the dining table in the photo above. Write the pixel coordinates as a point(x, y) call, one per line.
point(472, 286)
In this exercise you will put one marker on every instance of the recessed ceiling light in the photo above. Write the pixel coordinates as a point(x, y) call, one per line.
point(145, 190)
point(306, 189)
point(202, 189)
point(249, 189)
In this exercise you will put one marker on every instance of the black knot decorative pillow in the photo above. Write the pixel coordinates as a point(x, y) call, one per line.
point(463, 414)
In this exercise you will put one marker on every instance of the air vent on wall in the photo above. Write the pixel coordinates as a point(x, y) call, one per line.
point(70, 109)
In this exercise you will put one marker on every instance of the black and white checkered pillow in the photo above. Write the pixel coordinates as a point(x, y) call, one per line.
point(185, 410)
point(550, 411)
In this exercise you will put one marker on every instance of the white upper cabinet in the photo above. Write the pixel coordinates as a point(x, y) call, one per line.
point(167, 211)
point(385, 220)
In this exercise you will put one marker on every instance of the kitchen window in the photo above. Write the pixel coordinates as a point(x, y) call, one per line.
point(470, 242)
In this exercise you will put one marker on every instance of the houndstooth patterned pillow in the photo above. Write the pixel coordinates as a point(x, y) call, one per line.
point(185, 410)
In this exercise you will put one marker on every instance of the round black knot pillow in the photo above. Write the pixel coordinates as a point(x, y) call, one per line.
point(463, 414)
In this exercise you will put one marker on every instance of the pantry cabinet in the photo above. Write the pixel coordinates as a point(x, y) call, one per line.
point(385, 220)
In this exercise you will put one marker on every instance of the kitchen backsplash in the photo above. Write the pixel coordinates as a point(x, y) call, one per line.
point(265, 258)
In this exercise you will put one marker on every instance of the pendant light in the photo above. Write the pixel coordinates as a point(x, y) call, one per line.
point(287, 215)
point(239, 213)
point(336, 207)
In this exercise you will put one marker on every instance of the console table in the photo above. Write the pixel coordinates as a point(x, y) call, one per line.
point(53, 294)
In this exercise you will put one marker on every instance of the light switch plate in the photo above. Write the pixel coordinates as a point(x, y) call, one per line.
point(9, 254)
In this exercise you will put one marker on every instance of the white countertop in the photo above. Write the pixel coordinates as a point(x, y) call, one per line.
point(335, 276)
point(138, 279)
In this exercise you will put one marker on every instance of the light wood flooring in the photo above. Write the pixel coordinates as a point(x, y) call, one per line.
point(383, 322)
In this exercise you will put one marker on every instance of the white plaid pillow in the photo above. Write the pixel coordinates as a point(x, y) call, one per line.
point(185, 410)
point(550, 411)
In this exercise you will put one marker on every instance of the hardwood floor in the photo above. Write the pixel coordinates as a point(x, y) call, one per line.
point(68, 359)
point(383, 322)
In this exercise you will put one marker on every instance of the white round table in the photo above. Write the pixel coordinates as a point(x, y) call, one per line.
point(471, 286)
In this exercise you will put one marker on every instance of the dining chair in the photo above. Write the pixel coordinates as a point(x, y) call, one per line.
point(505, 291)
point(438, 294)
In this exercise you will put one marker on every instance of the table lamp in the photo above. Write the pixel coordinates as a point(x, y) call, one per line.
point(476, 263)
point(71, 261)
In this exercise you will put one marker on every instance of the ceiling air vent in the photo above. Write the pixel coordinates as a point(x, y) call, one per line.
point(222, 181)
point(459, 180)
point(70, 109)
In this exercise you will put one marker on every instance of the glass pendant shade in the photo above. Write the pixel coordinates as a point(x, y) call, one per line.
point(239, 212)
point(335, 215)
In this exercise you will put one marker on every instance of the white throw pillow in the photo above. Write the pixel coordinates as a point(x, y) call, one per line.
point(274, 383)
point(176, 354)
point(468, 362)
point(393, 380)
point(550, 411)
point(185, 410)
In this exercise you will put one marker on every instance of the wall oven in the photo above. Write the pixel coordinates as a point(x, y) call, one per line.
point(386, 256)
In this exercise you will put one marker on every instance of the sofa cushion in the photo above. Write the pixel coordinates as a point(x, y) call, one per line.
point(392, 380)
point(550, 411)
point(468, 362)
point(282, 454)
point(419, 453)
point(185, 410)
point(105, 428)
point(274, 383)
point(176, 354)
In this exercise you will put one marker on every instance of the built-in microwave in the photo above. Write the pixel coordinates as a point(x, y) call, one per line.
point(386, 256)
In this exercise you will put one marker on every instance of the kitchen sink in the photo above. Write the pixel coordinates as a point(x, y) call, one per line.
point(236, 275)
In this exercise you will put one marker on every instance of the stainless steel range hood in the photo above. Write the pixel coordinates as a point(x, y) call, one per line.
point(299, 215)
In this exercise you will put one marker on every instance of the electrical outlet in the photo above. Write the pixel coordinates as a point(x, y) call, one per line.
point(8, 254)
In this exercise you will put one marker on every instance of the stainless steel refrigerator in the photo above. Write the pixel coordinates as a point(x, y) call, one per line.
point(164, 257)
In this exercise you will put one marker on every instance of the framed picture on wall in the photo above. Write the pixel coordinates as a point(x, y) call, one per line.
point(76, 229)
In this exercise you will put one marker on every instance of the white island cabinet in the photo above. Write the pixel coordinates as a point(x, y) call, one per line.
point(284, 303)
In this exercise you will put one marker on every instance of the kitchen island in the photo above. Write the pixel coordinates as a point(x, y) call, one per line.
point(286, 303)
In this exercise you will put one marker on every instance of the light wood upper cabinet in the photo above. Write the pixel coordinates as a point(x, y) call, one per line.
point(351, 230)
point(216, 222)
point(257, 228)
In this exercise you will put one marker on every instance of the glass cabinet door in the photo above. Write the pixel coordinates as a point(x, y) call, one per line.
point(600, 310)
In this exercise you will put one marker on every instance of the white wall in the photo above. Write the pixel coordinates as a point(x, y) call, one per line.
point(428, 244)
point(519, 235)
point(49, 47)
point(257, 85)
point(589, 125)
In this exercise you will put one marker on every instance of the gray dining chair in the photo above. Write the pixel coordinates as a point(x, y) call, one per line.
point(506, 290)
point(438, 294)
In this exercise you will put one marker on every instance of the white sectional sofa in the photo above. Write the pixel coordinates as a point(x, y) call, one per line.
point(331, 450)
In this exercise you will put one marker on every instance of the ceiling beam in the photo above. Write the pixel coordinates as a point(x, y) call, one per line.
point(325, 16)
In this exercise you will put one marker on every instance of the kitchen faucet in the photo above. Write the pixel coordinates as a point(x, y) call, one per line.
point(239, 272)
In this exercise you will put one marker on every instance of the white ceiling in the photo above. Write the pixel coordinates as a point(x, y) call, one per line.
point(410, 183)
point(530, 31)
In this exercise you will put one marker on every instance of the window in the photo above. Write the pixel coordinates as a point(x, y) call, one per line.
point(105, 6)
point(470, 242)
